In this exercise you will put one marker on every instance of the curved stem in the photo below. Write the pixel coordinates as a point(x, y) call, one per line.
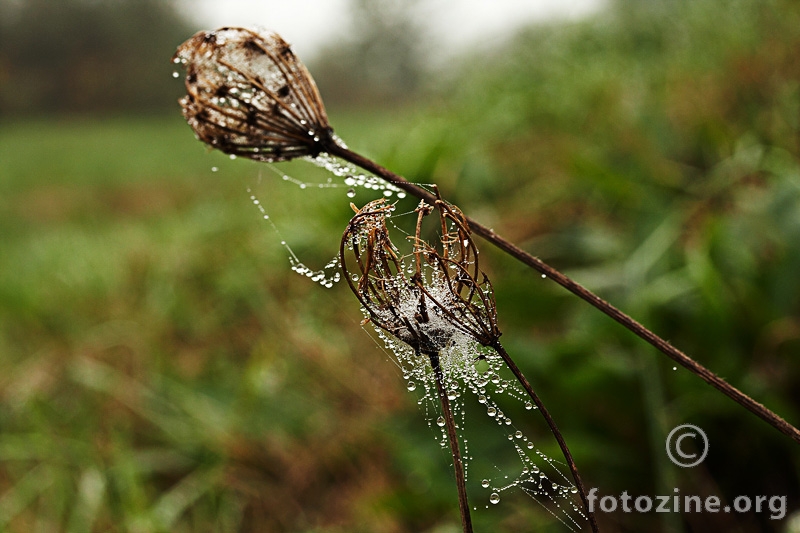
point(458, 463)
point(575, 288)
point(556, 433)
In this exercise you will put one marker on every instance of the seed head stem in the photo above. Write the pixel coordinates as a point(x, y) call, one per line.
point(553, 428)
point(452, 437)
point(575, 288)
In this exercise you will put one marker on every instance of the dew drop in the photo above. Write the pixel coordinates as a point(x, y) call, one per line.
point(175, 74)
point(412, 385)
point(518, 434)
point(440, 422)
point(214, 169)
point(491, 411)
point(528, 406)
point(494, 498)
point(485, 483)
point(401, 195)
point(351, 193)
point(232, 156)
point(530, 445)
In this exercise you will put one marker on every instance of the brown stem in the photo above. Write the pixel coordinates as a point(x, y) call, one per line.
point(513, 250)
point(556, 433)
point(458, 464)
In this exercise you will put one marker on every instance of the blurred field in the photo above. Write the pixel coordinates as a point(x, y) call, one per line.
point(162, 369)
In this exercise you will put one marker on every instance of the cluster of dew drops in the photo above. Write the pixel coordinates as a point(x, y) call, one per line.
point(351, 179)
point(354, 179)
point(462, 378)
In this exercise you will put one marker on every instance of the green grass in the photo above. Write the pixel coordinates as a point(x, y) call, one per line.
point(162, 369)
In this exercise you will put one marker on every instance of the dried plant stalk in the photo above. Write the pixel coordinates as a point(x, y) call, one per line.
point(248, 95)
point(446, 296)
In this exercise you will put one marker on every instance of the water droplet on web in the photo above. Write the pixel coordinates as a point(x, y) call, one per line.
point(232, 156)
point(175, 74)
point(214, 169)
point(518, 434)
point(440, 422)
point(491, 411)
point(351, 193)
point(494, 498)
point(412, 385)
point(485, 483)
point(528, 406)
point(530, 445)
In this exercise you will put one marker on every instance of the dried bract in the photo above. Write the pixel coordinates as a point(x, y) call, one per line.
point(429, 298)
point(248, 95)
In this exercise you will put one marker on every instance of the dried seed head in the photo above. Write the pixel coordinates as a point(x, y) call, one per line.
point(248, 95)
point(430, 298)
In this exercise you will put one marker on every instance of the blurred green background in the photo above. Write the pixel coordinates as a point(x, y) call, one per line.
point(162, 369)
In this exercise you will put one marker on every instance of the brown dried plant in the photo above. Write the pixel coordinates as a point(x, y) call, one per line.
point(248, 95)
point(445, 295)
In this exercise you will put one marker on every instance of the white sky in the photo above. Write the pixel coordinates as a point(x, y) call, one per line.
point(307, 24)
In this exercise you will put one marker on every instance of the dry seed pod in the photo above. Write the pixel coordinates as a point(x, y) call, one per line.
point(433, 297)
point(248, 95)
